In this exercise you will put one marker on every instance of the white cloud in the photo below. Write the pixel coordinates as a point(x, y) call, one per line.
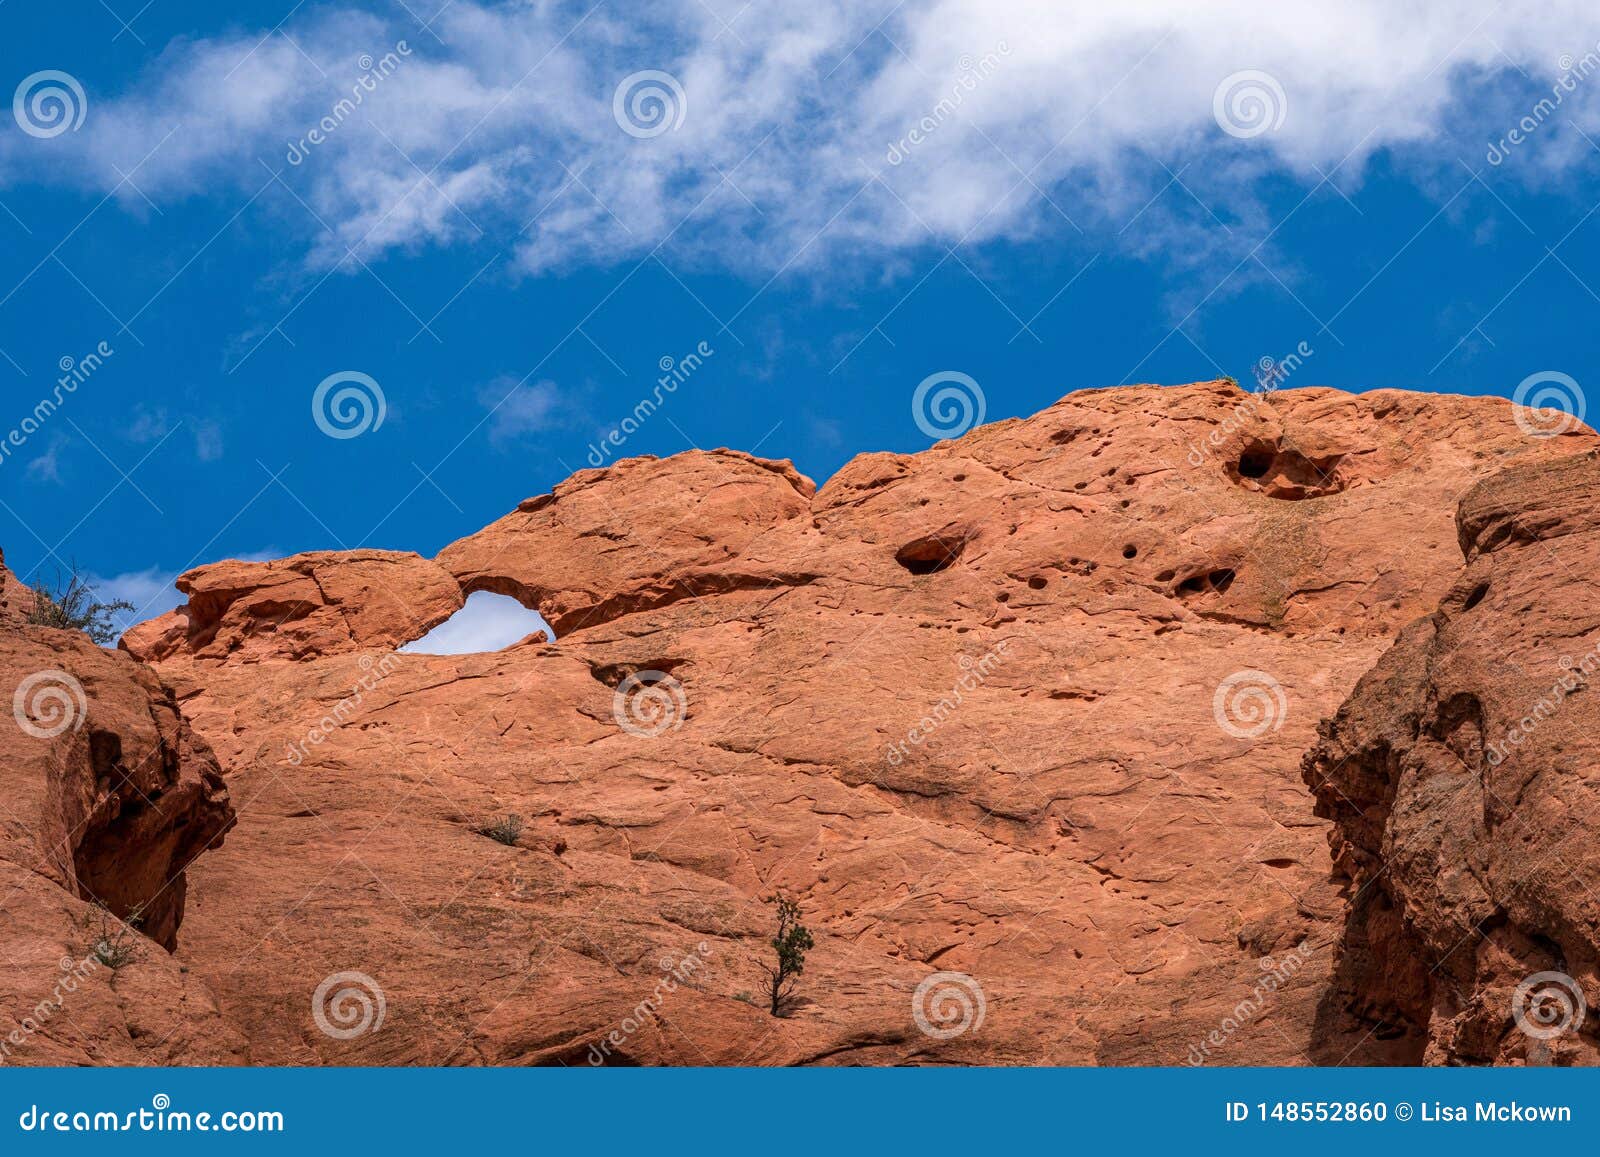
point(515, 410)
point(47, 466)
point(148, 425)
point(207, 440)
point(150, 591)
point(488, 622)
point(1076, 110)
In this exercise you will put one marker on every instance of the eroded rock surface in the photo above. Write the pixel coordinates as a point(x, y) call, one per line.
point(106, 798)
point(1017, 721)
point(1461, 778)
point(304, 606)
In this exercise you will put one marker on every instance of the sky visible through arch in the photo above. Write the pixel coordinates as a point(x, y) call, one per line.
point(771, 223)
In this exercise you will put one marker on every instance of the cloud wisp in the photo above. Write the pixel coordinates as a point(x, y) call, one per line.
point(786, 135)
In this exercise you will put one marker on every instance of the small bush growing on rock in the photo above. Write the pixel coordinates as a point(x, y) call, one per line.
point(791, 943)
point(111, 941)
point(507, 831)
point(72, 606)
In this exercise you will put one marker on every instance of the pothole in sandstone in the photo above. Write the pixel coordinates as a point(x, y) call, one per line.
point(931, 553)
point(487, 622)
point(1283, 472)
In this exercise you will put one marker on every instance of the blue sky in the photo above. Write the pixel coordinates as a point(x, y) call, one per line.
point(827, 204)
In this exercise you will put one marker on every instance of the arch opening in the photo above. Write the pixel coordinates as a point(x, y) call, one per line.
point(486, 622)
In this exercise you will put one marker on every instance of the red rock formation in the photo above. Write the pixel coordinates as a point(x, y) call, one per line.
point(301, 607)
point(1459, 777)
point(108, 798)
point(1017, 720)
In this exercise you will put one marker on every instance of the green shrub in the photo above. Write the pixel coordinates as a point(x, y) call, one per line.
point(506, 831)
point(72, 606)
point(790, 945)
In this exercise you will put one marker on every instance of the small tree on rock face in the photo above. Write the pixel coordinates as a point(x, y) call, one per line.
point(790, 944)
point(72, 606)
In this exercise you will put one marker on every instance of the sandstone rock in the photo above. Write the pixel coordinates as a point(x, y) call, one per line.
point(109, 797)
point(1459, 779)
point(299, 607)
point(1017, 720)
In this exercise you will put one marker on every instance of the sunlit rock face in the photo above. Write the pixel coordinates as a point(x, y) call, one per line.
point(1017, 721)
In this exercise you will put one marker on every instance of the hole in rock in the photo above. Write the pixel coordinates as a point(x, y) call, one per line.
point(613, 674)
point(1282, 472)
point(488, 622)
point(1255, 463)
point(1038, 582)
point(931, 553)
point(1476, 596)
point(1130, 551)
point(1218, 580)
